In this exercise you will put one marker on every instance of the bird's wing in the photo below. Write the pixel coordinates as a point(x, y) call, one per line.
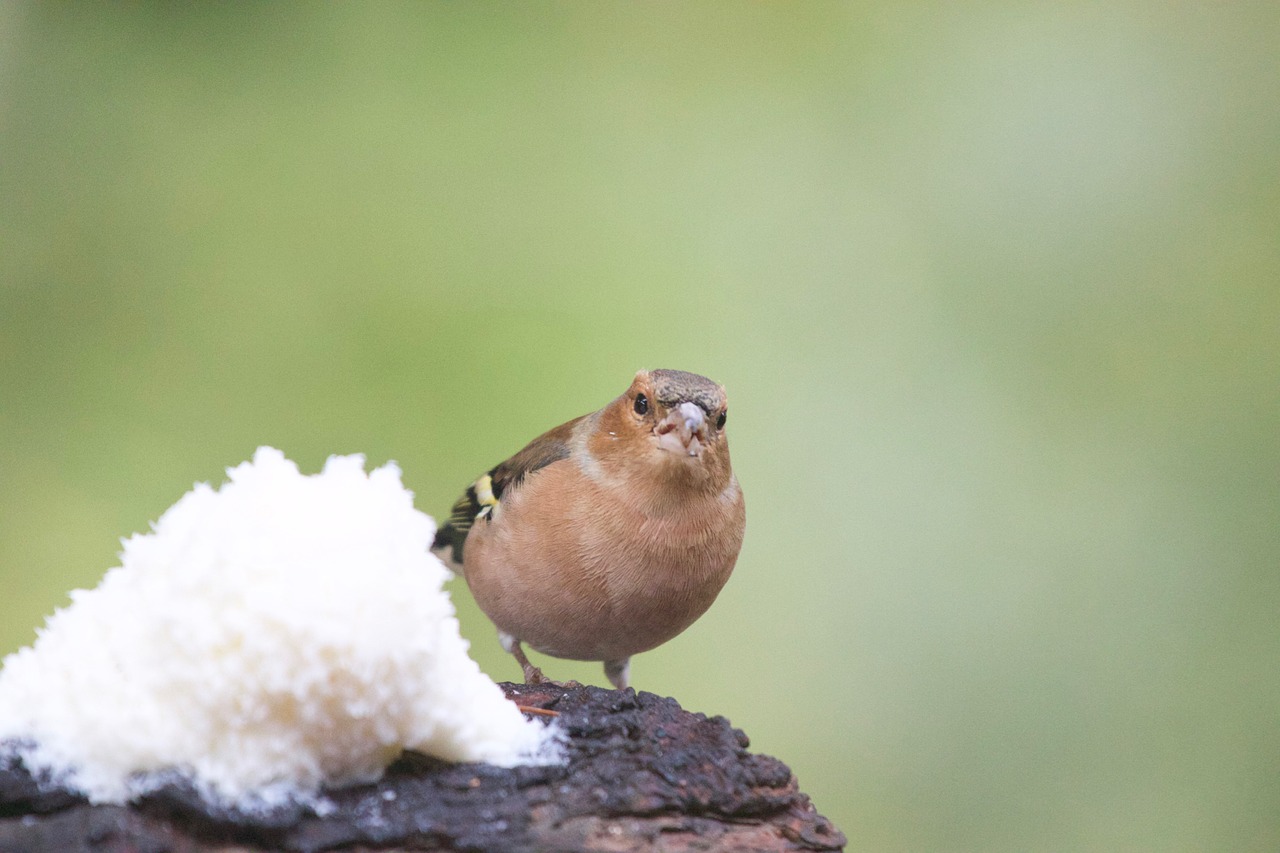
point(484, 494)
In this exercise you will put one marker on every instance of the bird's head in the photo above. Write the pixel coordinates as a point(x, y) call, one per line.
point(669, 424)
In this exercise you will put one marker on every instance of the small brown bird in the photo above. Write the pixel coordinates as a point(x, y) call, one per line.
point(608, 535)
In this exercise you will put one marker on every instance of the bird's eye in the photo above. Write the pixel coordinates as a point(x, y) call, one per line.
point(724, 416)
point(642, 404)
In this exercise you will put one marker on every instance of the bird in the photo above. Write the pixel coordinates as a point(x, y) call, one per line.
point(608, 535)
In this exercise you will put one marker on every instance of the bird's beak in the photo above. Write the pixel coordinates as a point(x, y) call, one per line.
point(683, 430)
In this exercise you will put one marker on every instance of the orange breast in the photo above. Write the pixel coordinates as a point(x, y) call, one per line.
point(576, 570)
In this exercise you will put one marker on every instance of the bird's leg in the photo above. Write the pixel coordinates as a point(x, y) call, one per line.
point(532, 675)
point(619, 672)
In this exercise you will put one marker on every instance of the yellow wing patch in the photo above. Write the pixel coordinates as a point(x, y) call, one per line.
point(484, 491)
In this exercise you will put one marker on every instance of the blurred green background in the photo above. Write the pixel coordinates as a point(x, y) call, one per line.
point(995, 290)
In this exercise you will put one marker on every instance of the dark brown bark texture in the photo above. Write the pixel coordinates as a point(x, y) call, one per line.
point(642, 774)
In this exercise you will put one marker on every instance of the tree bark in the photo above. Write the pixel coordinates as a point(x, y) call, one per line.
point(642, 774)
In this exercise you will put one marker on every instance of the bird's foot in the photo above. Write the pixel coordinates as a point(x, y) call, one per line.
point(535, 675)
point(532, 674)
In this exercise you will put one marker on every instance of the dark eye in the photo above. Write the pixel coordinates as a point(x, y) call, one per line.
point(724, 416)
point(642, 404)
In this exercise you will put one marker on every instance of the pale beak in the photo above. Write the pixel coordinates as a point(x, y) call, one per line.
point(683, 430)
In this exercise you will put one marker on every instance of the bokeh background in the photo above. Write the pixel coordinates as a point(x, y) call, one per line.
point(994, 288)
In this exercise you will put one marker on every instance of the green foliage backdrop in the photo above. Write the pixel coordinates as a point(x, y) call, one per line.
point(994, 288)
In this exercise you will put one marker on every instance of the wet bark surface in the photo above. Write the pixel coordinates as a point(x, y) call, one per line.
point(642, 774)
